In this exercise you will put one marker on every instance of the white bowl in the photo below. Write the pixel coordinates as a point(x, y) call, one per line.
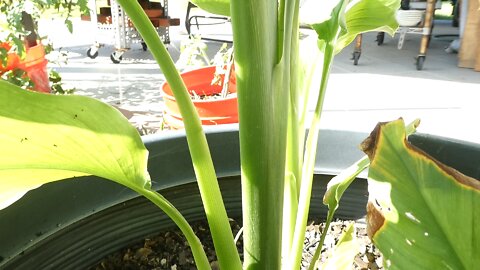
point(409, 17)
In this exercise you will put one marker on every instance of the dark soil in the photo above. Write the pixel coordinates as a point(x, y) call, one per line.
point(196, 96)
point(169, 249)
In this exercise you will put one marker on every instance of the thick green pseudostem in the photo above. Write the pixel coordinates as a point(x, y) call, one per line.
point(213, 203)
point(262, 102)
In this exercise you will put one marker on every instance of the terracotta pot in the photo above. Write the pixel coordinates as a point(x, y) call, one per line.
point(34, 64)
point(211, 111)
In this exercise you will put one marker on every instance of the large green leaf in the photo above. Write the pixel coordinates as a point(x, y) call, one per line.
point(220, 7)
point(421, 213)
point(329, 29)
point(44, 138)
point(368, 15)
point(348, 19)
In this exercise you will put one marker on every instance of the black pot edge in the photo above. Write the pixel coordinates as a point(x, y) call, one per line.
point(86, 242)
point(27, 222)
point(72, 208)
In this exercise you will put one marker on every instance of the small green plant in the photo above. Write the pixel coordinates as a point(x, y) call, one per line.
point(413, 199)
point(18, 29)
point(18, 77)
point(57, 85)
point(193, 54)
point(14, 27)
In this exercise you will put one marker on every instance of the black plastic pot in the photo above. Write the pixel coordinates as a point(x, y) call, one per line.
point(73, 224)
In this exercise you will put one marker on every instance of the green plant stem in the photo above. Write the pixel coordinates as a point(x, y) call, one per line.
point(201, 260)
point(322, 239)
point(226, 250)
point(262, 99)
point(295, 131)
point(308, 165)
point(228, 72)
point(346, 178)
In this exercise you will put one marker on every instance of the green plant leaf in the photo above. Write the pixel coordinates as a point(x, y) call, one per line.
point(337, 186)
point(348, 19)
point(345, 251)
point(328, 30)
point(359, 19)
point(335, 189)
point(45, 138)
point(220, 7)
point(421, 214)
point(69, 25)
point(227, 254)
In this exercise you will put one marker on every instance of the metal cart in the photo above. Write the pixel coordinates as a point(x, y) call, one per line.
point(425, 29)
point(116, 28)
point(204, 20)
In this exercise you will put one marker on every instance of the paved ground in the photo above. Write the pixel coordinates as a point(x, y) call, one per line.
point(384, 85)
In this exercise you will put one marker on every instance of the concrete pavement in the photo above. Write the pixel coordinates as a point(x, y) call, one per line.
point(384, 85)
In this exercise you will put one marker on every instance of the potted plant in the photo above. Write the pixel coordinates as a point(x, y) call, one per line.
point(212, 106)
point(412, 197)
point(210, 83)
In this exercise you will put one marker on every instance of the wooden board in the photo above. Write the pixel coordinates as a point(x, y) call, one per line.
point(469, 56)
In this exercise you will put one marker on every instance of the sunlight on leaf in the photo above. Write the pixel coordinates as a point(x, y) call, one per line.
point(314, 12)
point(417, 203)
point(45, 138)
point(329, 30)
point(349, 19)
point(359, 19)
point(345, 251)
point(337, 186)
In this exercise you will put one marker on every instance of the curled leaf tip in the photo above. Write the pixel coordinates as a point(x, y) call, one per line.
point(375, 219)
point(368, 145)
point(412, 127)
point(416, 122)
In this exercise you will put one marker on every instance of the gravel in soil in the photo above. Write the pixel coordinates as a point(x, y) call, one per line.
point(369, 256)
point(194, 96)
point(169, 249)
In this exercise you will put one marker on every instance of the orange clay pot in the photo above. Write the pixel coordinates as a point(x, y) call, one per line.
point(211, 111)
point(34, 64)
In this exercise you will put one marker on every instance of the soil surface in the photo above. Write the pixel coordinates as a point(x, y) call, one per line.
point(169, 249)
point(196, 95)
